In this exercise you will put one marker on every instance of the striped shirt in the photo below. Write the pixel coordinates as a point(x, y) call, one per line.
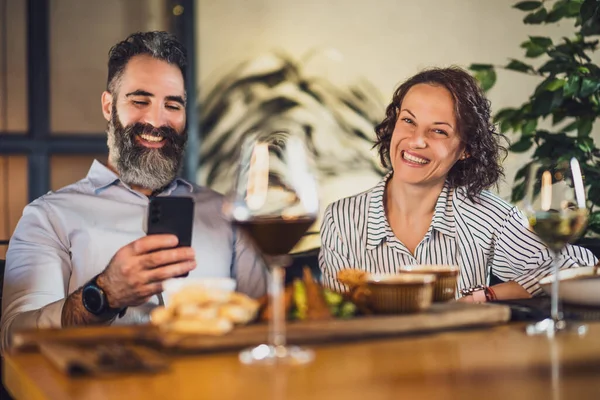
point(482, 237)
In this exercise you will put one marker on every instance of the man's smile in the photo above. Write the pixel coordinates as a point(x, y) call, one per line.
point(150, 141)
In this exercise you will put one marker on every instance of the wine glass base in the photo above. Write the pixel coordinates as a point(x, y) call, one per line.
point(269, 355)
point(550, 327)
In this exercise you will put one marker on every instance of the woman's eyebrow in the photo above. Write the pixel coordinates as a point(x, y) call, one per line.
point(408, 111)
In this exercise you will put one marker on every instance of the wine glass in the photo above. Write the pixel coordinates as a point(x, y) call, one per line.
point(554, 204)
point(274, 200)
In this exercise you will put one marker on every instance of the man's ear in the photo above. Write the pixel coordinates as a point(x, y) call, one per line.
point(107, 100)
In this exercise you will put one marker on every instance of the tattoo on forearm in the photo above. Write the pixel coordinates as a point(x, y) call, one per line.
point(75, 314)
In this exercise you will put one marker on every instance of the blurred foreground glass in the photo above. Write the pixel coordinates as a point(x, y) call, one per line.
point(274, 200)
point(554, 204)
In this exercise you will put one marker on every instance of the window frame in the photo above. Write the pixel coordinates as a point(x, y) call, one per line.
point(38, 144)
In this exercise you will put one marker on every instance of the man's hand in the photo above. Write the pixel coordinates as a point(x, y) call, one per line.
point(136, 271)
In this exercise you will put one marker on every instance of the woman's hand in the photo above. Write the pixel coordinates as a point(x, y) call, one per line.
point(466, 299)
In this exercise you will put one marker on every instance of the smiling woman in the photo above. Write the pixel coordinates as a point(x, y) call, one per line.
point(424, 145)
point(433, 207)
point(458, 109)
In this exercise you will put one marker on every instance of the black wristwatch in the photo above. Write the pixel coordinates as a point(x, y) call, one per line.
point(95, 301)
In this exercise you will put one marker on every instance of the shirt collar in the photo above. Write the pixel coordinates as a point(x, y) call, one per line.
point(443, 215)
point(176, 184)
point(101, 177)
point(377, 224)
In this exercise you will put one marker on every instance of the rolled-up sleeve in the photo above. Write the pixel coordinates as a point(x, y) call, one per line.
point(36, 276)
point(520, 255)
point(332, 257)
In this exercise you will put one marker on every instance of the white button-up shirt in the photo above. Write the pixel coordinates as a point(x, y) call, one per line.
point(67, 237)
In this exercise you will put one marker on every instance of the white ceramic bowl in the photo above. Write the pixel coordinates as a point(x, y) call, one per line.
point(174, 285)
point(576, 285)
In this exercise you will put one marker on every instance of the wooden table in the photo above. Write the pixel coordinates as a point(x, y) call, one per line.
point(496, 363)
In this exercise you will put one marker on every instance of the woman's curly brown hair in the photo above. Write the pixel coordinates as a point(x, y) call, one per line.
point(482, 142)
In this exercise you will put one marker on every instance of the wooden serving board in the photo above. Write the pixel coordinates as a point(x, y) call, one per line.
point(443, 316)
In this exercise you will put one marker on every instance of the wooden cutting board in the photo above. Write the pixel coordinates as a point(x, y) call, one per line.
point(442, 316)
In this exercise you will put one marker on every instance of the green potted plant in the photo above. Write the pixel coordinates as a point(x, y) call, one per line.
point(568, 95)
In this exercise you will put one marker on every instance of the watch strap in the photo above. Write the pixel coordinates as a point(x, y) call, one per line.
point(107, 312)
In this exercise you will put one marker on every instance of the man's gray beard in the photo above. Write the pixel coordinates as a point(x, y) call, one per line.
point(150, 169)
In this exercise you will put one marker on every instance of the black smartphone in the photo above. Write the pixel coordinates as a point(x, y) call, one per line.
point(174, 215)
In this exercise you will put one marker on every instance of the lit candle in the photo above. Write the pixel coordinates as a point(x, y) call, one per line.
point(578, 183)
point(546, 190)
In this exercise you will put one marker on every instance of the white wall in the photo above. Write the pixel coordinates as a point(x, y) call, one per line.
point(385, 41)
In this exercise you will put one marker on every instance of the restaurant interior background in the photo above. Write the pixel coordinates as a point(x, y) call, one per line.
point(344, 47)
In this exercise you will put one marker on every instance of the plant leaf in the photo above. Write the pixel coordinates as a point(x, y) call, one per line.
point(522, 145)
point(589, 9)
point(505, 113)
point(573, 8)
point(594, 193)
point(533, 50)
point(486, 78)
point(517, 65)
point(518, 192)
point(559, 11)
point(529, 128)
point(480, 67)
point(541, 41)
point(583, 70)
point(572, 86)
point(555, 84)
point(584, 127)
point(537, 17)
point(528, 5)
point(558, 116)
point(521, 172)
point(571, 127)
point(505, 126)
point(591, 26)
point(588, 86)
point(594, 221)
point(586, 144)
point(545, 102)
point(555, 66)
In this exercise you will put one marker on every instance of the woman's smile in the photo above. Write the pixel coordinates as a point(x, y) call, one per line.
point(413, 159)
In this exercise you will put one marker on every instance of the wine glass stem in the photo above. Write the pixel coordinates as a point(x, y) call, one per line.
point(555, 312)
point(277, 326)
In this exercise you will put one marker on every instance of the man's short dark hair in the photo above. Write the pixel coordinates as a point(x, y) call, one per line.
point(483, 168)
point(160, 45)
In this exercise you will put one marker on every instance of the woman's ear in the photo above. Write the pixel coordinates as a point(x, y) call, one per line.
point(107, 100)
point(465, 154)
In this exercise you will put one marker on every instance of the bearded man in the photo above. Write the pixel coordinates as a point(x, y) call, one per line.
point(89, 237)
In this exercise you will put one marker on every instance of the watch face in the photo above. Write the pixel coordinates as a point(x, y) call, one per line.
point(93, 300)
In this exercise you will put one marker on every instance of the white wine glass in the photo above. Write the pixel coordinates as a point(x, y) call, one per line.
point(555, 206)
point(274, 200)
